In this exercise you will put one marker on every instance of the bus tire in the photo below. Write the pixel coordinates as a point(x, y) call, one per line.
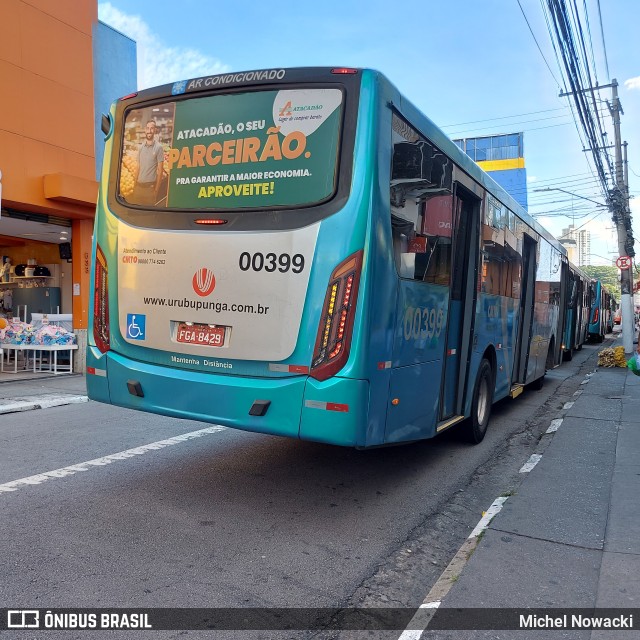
point(568, 355)
point(477, 424)
point(537, 384)
point(550, 361)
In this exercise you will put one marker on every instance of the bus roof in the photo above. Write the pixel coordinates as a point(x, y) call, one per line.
point(298, 74)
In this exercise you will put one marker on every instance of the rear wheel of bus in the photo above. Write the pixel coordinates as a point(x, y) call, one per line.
point(476, 427)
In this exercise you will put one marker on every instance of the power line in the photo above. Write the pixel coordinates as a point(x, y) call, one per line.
point(604, 48)
point(517, 115)
point(593, 60)
point(565, 28)
point(471, 131)
point(537, 44)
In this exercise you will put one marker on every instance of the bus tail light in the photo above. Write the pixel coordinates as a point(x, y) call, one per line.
point(101, 333)
point(596, 315)
point(336, 322)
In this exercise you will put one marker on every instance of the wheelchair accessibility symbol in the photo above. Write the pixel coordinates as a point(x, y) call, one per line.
point(136, 326)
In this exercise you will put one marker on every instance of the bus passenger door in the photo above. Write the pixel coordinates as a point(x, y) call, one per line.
point(525, 319)
point(564, 315)
point(462, 304)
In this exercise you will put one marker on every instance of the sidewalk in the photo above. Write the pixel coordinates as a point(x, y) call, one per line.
point(18, 394)
point(570, 536)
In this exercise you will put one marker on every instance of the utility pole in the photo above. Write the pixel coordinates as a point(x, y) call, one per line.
point(618, 200)
point(619, 197)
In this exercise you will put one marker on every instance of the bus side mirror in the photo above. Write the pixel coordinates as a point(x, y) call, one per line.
point(105, 124)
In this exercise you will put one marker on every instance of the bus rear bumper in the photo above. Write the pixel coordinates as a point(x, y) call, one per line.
point(334, 411)
point(209, 397)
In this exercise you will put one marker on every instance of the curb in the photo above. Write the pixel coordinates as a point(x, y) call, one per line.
point(29, 403)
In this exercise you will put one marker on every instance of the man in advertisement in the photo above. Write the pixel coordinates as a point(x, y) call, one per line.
point(149, 168)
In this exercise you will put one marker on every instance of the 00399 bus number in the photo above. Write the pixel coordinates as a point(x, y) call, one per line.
point(270, 262)
point(422, 322)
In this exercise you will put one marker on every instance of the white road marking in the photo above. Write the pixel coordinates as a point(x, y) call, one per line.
point(105, 460)
point(415, 634)
point(532, 462)
point(444, 583)
point(578, 392)
point(453, 570)
point(554, 426)
point(490, 513)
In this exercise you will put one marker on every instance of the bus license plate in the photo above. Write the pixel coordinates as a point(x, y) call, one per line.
point(201, 334)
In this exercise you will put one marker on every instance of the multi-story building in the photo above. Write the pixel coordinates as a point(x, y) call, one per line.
point(581, 239)
point(60, 69)
point(502, 157)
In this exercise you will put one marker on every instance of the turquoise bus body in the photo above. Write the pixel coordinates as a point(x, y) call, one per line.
point(601, 315)
point(578, 310)
point(415, 349)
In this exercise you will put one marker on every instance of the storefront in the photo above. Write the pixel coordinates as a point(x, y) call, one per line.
point(61, 69)
point(37, 311)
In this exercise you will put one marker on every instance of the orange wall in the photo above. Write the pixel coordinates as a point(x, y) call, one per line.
point(46, 110)
point(81, 233)
point(42, 252)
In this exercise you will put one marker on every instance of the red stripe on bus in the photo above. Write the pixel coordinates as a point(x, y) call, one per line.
point(297, 368)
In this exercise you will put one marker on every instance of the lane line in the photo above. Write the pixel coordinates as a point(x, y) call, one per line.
point(531, 463)
point(39, 478)
point(450, 575)
point(415, 634)
point(488, 516)
point(554, 426)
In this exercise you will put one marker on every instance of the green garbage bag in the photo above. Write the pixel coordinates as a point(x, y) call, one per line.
point(634, 363)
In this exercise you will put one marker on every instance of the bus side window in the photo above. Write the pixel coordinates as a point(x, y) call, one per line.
point(403, 231)
point(437, 225)
point(501, 273)
point(421, 202)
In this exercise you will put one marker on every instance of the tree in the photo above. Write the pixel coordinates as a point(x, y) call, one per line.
point(609, 276)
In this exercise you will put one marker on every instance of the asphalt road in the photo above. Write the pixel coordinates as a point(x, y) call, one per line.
point(245, 520)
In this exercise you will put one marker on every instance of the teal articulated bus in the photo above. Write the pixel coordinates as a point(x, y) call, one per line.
point(302, 252)
point(577, 310)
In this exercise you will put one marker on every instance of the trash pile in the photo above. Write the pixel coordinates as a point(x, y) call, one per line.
point(612, 357)
point(14, 332)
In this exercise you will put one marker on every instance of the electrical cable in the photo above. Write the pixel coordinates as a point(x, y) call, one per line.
point(537, 44)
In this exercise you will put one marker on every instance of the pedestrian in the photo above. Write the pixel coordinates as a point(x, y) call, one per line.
point(148, 174)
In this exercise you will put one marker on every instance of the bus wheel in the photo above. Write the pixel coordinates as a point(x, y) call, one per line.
point(568, 355)
point(481, 404)
point(537, 384)
point(550, 361)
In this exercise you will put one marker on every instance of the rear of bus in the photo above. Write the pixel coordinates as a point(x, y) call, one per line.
point(597, 318)
point(228, 286)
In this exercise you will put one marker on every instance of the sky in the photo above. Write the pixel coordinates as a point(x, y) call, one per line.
point(474, 67)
